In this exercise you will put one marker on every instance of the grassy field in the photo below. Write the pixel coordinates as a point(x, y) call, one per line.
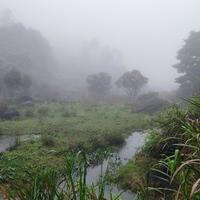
point(63, 128)
point(73, 125)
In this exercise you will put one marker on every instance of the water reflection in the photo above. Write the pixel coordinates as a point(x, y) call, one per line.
point(6, 142)
point(132, 144)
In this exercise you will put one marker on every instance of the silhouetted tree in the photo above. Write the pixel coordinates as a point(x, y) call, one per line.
point(13, 81)
point(132, 82)
point(26, 84)
point(29, 51)
point(189, 66)
point(98, 85)
point(1, 76)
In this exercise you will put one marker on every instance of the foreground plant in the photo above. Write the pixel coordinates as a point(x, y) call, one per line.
point(50, 184)
point(177, 175)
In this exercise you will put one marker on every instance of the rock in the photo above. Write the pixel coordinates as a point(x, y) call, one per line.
point(9, 114)
point(27, 103)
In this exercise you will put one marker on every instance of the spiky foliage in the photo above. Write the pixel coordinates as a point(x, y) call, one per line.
point(51, 184)
point(177, 174)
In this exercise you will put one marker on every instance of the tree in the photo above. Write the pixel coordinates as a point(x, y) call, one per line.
point(26, 84)
point(29, 51)
point(1, 76)
point(13, 81)
point(189, 66)
point(132, 82)
point(99, 84)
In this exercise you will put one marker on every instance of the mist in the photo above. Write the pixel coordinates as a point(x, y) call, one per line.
point(143, 35)
point(99, 99)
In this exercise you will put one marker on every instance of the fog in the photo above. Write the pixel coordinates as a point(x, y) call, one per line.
point(114, 35)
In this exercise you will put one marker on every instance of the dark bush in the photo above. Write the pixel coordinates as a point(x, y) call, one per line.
point(43, 111)
point(3, 106)
point(15, 144)
point(150, 103)
point(9, 114)
point(29, 113)
point(48, 141)
point(69, 113)
point(115, 140)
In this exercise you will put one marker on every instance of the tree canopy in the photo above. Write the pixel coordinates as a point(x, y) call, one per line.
point(13, 78)
point(189, 66)
point(132, 82)
point(99, 84)
point(28, 51)
point(16, 82)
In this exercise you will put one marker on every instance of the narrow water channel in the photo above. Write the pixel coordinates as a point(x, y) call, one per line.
point(7, 142)
point(127, 151)
point(132, 144)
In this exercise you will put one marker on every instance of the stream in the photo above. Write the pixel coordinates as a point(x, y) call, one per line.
point(132, 143)
point(7, 142)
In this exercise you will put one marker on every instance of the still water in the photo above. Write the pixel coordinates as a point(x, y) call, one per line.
point(127, 151)
point(8, 141)
point(135, 141)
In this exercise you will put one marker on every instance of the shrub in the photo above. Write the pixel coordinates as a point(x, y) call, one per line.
point(43, 111)
point(175, 175)
point(29, 113)
point(115, 140)
point(69, 113)
point(48, 141)
point(1, 131)
point(150, 103)
point(3, 106)
point(15, 144)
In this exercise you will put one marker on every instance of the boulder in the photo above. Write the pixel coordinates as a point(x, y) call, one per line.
point(9, 114)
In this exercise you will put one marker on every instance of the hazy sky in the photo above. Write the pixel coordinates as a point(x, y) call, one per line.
point(147, 32)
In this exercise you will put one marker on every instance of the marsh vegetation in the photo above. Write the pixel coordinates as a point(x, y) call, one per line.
point(90, 107)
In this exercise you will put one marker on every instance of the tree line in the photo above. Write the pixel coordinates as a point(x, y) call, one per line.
point(27, 65)
point(131, 82)
point(14, 83)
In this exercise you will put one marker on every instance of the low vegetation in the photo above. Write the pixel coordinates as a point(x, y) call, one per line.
point(76, 124)
point(168, 165)
point(69, 182)
point(94, 129)
point(150, 103)
point(63, 110)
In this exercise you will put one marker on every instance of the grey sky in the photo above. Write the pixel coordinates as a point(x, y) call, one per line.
point(147, 32)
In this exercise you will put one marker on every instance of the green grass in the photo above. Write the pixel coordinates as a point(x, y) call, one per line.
point(103, 124)
point(66, 127)
point(50, 183)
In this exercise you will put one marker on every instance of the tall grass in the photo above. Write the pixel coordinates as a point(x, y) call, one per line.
point(51, 184)
point(177, 174)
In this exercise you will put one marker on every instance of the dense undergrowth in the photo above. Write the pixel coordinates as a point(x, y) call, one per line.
point(168, 166)
point(50, 183)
